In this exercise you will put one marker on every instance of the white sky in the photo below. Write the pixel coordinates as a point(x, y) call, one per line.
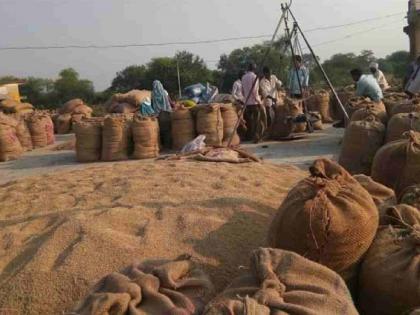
point(103, 22)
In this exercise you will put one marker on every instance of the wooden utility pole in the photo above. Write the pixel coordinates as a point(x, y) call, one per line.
point(413, 28)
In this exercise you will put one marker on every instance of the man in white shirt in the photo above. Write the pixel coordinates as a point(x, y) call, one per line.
point(379, 76)
point(255, 115)
point(237, 89)
point(269, 87)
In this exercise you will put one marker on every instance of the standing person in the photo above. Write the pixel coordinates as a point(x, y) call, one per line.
point(269, 86)
point(298, 74)
point(237, 89)
point(379, 76)
point(366, 85)
point(255, 116)
point(412, 80)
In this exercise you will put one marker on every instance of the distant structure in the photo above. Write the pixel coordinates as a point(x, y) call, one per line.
point(413, 28)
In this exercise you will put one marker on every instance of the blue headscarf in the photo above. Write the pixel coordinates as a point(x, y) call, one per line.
point(160, 98)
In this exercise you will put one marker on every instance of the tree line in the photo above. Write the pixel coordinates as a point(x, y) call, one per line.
point(48, 93)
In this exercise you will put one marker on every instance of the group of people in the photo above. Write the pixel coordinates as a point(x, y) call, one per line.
point(260, 95)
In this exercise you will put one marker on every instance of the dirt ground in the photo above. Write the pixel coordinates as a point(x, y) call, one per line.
point(300, 153)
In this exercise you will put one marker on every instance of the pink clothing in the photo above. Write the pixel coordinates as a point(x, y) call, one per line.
point(247, 82)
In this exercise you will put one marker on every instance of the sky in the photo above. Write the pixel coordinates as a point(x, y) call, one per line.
point(110, 22)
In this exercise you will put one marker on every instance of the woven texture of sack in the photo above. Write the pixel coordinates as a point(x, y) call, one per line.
point(183, 130)
point(389, 277)
point(24, 135)
point(145, 137)
point(10, 147)
point(230, 119)
point(38, 128)
point(376, 110)
point(381, 195)
point(362, 139)
point(283, 126)
point(63, 124)
point(210, 123)
point(70, 106)
point(328, 217)
point(295, 108)
point(282, 282)
point(408, 106)
point(400, 124)
point(397, 164)
point(411, 196)
point(116, 138)
point(88, 140)
point(153, 287)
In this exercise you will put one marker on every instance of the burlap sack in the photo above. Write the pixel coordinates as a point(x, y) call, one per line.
point(389, 277)
point(400, 124)
point(283, 123)
point(49, 129)
point(392, 99)
point(8, 120)
point(70, 106)
point(83, 110)
point(356, 103)
point(123, 108)
point(328, 217)
point(23, 108)
point(150, 288)
point(230, 119)
point(324, 106)
point(295, 108)
point(10, 147)
point(209, 122)
point(145, 137)
point(408, 106)
point(376, 110)
point(133, 97)
point(183, 130)
point(24, 135)
point(397, 164)
point(38, 128)
point(362, 140)
point(63, 123)
point(88, 140)
point(116, 138)
point(282, 282)
point(316, 120)
point(335, 108)
point(411, 196)
point(381, 195)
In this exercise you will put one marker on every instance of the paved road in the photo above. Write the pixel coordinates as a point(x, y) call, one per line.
point(299, 152)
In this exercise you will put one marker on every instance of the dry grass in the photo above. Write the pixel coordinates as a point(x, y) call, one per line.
point(62, 232)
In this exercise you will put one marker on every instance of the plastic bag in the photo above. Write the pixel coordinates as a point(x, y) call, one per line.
point(195, 145)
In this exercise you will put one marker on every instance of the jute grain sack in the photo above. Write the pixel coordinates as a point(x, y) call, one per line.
point(145, 137)
point(400, 124)
point(376, 109)
point(230, 119)
point(150, 288)
point(63, 123)
point(70, 106)
point(49, 129)
point(10, 147)
point(88, 140)
point(283, 123)
point(116, 137)
point(408, 106)
point(8, 120)
point(83, 110)
point(210, 123)
point(316, 119)
point(282, 282)
point(324, 106)
point(37, 127)
point(24, 135)
point(335, 108)
point(392, 99)
point(381, 195)
point(411, 196)
point(295, 108)
point(328, 217)
point(133, 97)
point(362, 140)
point(389, 278)
point(397, 164)
point(183, 130)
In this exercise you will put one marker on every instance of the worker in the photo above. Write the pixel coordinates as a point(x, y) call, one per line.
point(255, 115)
point(412, 81)
point(237, 89)
point(379, 76)
point(269, 86)
point(366, 85)
point(298, 79)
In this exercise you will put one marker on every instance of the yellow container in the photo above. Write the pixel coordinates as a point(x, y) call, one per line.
point(12, 91)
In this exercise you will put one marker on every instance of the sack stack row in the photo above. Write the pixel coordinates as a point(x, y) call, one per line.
point(216, 121)
point(19, 134)
point(9, 106)
point(70, 113)
point(116, 138)
point(355, 227)
point(374, 136)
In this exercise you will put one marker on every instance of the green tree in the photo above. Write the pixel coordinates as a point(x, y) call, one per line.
point(69, 86)
point(38, 91)
point(132, 77)
point(396, 64)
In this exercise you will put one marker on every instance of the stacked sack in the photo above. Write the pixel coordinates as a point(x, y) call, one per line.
point(345, 94)
point(183, 129)
point(71, 112)
point(10, 146)
point(9, 106)
point(41, 128)
point(392, 99)
point(88, 140)
point(230, 121)
point(320, 102)
point(283, 125)
point(209, 122)
point(127, 103)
